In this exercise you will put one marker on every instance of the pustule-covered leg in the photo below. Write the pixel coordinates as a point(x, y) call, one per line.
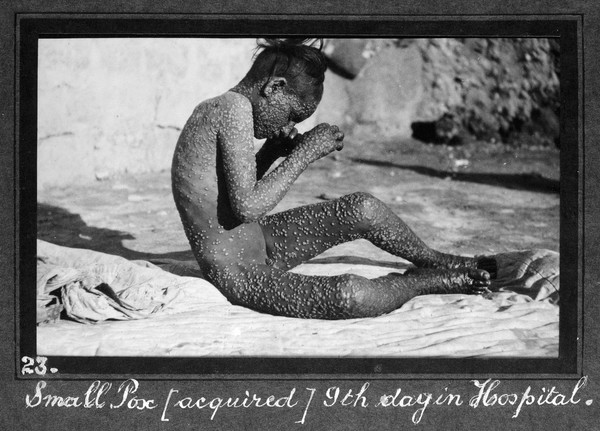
point(299, 234)
point(369, 298)
point(270, 290)
point(387, 231)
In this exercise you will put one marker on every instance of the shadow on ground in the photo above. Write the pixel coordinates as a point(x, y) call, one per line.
point(526, 182)
point(61, 227)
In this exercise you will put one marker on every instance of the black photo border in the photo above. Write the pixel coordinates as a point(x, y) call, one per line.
point(567, 28)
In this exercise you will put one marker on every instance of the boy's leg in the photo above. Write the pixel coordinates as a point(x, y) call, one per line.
point(270, 290)
point(299, 234)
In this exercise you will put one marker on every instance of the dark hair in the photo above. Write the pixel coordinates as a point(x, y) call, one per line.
point(290, 58)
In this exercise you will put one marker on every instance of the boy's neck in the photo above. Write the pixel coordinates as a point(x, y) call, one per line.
point(249, 90)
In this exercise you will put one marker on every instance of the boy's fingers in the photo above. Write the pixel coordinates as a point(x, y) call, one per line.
point(339, 136)
point(288, 131)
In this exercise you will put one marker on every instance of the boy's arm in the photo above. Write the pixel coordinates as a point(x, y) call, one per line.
point(250, 198)
point(266, 156)
point(275, 148)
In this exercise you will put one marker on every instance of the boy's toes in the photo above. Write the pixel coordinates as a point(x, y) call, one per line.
point(480, 275)
point(480, 281)
point(480, 290)
point(488, 264)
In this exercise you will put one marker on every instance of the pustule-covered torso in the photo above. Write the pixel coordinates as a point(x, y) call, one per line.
point(216, 235)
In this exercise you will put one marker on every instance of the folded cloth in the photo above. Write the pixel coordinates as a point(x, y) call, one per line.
point(97, 291)
point(535, 273)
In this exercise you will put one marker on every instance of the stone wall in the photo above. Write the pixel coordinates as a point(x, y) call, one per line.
point(451, 90)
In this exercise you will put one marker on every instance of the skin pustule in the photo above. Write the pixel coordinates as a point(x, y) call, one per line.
point(224, 192)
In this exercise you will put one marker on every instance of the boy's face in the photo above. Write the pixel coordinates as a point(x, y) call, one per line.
point(283, 108)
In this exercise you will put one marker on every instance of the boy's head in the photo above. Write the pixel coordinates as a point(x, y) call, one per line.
point(297, 60)
point(290, 74)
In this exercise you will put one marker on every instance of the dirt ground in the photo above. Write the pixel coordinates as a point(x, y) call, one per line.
point(472, 199)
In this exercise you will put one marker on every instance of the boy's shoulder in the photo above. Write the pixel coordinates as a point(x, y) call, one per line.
point(229, 100)
point(232, 96)
point(226, 107)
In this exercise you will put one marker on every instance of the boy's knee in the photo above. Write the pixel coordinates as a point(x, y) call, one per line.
point(366, 207)
point(356, 295)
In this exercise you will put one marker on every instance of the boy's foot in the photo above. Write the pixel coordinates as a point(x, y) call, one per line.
point(449, 261)
point(456, 280)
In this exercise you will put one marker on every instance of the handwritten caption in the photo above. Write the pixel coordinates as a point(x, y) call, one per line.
point(128, 396)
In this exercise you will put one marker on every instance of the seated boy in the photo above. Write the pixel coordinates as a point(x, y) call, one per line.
point(223, 193)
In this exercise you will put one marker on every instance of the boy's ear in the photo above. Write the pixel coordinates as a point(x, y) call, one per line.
point(274, 84)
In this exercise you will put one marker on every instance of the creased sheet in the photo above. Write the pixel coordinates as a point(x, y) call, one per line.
point(183, 316)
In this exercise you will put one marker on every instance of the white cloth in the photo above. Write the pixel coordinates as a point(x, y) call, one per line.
point(187, 316)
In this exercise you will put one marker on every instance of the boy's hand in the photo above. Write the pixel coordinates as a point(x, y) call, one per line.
point(283, 143)
point(287, 140)
point(322, 140)
point(288, 132)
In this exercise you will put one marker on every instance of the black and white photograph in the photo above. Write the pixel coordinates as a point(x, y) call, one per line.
point(290, 197)
point(334, 219)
